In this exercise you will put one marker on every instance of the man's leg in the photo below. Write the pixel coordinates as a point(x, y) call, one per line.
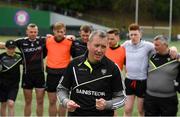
point(140, 93)
point(115, 113)
point(52, 104)
point(10, 108)
point(28, 101)
point(140, 102)
point(129, 103)
point(62, 111)
point(52, 82)
point(151, 106)
point(169, 106)
point(3, 109)
point(40, 101)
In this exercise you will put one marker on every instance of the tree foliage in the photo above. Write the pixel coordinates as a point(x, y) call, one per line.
point(159, 9)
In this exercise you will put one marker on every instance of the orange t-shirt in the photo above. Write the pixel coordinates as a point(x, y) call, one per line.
point(117, 55)
point(58, 55)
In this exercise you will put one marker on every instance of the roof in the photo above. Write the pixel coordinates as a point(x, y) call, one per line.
point(70, 21)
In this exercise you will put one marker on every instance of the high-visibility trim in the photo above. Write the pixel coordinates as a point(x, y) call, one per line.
point(12, 65)
point(75, 76)
point(117, 44)
point(154, 66)
point(162, 65)
point(88, 65)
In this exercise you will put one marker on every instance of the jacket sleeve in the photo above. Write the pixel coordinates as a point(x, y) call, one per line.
point(1, 66)
point(65, 85)
point(177, 82)
point(118, 89)
point(73, 49)
point(62, 95)
point(117, 101)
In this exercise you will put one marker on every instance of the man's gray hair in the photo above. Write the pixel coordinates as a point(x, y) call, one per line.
point(100, 33)
point(162, 38)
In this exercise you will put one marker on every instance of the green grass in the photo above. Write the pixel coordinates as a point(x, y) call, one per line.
point(19, 104)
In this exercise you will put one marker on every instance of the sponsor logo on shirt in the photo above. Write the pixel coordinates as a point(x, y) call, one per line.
point(89, 92)
point(103, 71)
point(32, 49)
point(82, 69)
point(25, 44)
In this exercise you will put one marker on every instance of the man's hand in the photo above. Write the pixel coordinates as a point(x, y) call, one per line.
point(71, 106)
point(173, 52)
point(49, 35)
point(70, 37)
point(100, 104)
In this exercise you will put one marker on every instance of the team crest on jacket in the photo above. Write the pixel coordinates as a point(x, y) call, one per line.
point(37, 42)
point(32, 45)
point(168, 59)
point(103, 71)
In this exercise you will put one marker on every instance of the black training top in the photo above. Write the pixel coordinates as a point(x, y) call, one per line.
point(89, 82)
point(32, 53)
point(10, 72)
point(78, 48)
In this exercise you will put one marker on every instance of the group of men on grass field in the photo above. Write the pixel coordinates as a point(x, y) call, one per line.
point(84, 74)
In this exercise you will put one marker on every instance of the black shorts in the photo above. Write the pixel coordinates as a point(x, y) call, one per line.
point(34, 80)
point(52, 82)
point(156, 106)
point(8, 93)
point(135, 87)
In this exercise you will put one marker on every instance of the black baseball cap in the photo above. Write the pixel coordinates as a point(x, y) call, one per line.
point(10, 44)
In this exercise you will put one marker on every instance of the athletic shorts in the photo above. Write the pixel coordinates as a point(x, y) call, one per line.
point(135, 87)
point(34, 80)
point(52, 82)
point(8, 93)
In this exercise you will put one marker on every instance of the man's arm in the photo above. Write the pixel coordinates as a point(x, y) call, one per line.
point(63, 90)
point(173, 52)
point(118, 93)
point(178, 57)
point(177, 81)
point(117, 101)
point(62, 95)
point(71, 37)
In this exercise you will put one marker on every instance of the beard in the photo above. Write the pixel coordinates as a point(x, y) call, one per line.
point(59, 39)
